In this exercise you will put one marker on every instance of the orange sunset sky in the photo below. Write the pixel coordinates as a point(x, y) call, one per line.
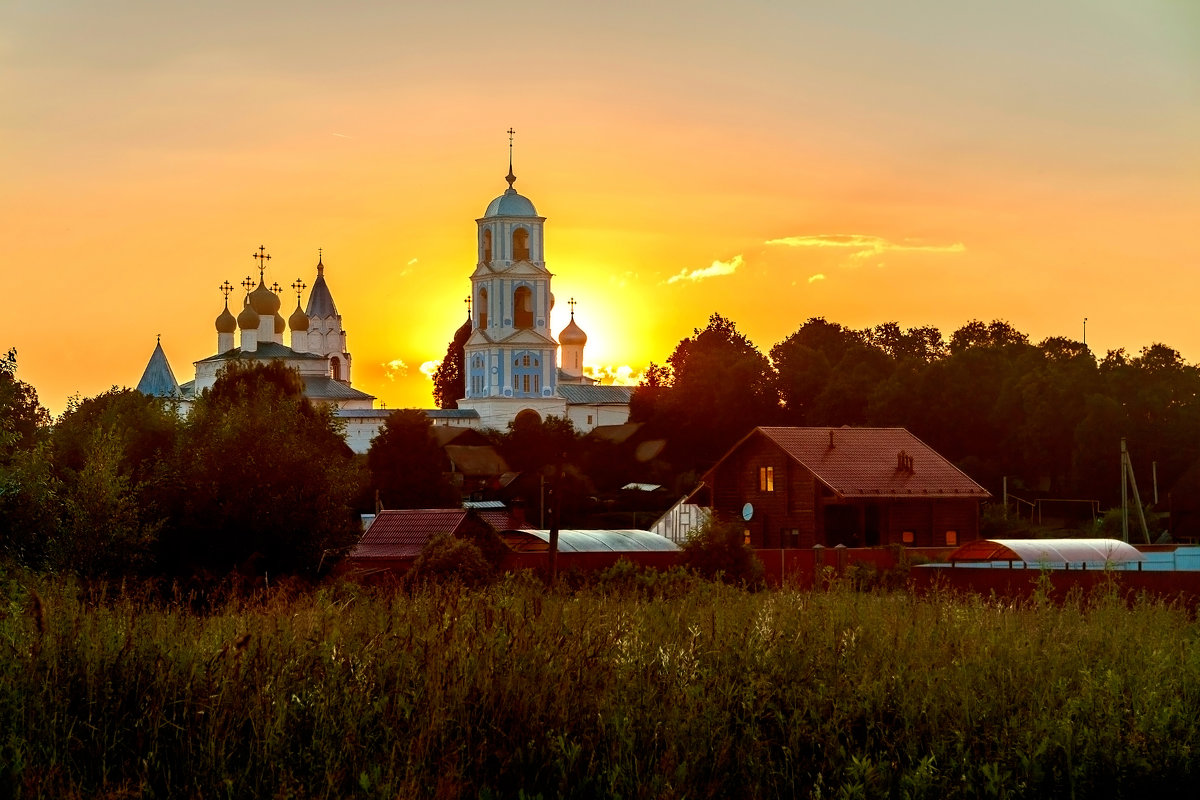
point(926, 162)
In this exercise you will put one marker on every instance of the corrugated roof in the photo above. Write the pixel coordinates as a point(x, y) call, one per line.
point(401, 533)
point(872, 462)
point(588, 541)
point(325, 388)
point(158, 380)
point(580, 395)
point(265, 351)
point(476, 460)
point(1050, 552)
point(451, 413)
point(616, 433)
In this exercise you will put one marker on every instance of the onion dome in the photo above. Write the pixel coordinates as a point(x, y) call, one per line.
point(572, 334)
point(280, 324)
point(464, 332)
point(264, 301)
point(510, 204)
point(226, 322)
point(248, 319)
point(298, 321)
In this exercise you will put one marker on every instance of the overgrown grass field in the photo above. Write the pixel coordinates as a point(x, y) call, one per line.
point(513, 691)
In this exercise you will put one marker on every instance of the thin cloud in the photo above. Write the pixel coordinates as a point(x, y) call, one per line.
point(864, 246)
point(820, 276)
point(717, 269)
point(411, 261)
point(429, 367)
point(613, 376)
point(395, 369)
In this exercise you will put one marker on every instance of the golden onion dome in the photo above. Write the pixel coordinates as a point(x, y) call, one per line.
point(298, 321)
point(264, 301)
point(248, 319)
point(226, 322)
point(572, 334)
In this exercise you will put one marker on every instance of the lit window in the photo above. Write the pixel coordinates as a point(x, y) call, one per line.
point(746, 536)
point(907, 537)
point(951, 538)
point(766, 479)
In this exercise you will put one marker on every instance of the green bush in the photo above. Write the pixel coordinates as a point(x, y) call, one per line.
point(446, 558)
point(717, 551)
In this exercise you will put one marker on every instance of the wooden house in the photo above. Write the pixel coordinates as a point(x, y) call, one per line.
point(858, 487)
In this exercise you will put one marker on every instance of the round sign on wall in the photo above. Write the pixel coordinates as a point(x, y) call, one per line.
point(747, 511)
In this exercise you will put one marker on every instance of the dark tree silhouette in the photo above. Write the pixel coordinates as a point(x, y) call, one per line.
point(407, 466)
point(449, 379)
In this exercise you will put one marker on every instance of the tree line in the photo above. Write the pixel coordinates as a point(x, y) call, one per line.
point(1048, 416)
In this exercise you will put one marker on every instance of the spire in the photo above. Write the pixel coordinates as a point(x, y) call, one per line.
point(158, 380)
point(510, 177)
point(320, 301)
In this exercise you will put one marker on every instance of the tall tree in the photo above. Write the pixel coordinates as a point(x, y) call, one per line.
point(721, 386)
point(22, 417)
point(408, 467)
point(449, 379)
point(29, 502)
point(264, 477)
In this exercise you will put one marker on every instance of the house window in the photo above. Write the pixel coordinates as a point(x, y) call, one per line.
point(951, 538)
point(907, 537)
point(789, 537)
point(766, 479)
point(487, 245)
point(481, 308)
point(746, 536)
point(589, 422)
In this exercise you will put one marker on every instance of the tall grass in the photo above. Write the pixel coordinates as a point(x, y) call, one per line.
point(504, 691)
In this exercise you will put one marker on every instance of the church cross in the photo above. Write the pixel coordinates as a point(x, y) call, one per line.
point(263, 257)
point(510, 177)
point(248, 284)
point(571, 303)
point(226, 288)
point(276, 288)
point(467, 300)
point(299, 286)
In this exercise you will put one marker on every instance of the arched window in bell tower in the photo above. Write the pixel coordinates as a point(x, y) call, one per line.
point(520, 245)
point(482, 308)
point(522, 308)
point(487, 245)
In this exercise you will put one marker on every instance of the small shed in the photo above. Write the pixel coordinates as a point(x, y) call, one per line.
point(1048, 554)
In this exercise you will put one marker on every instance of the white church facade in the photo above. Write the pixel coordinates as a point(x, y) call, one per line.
point(512, 362)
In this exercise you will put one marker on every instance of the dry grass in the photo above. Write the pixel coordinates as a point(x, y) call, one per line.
point(510, 691)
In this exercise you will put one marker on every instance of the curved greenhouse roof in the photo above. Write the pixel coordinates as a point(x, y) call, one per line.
point(1049, 552)
point(588, 541)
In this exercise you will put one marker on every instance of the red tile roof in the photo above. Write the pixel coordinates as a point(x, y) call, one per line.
point(872, 462)
point(401, 533)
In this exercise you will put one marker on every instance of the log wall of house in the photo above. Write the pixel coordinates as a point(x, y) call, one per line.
point(799, 511)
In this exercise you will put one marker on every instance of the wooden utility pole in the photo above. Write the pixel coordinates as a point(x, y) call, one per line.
point(555, 504)
point(1127, 475)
